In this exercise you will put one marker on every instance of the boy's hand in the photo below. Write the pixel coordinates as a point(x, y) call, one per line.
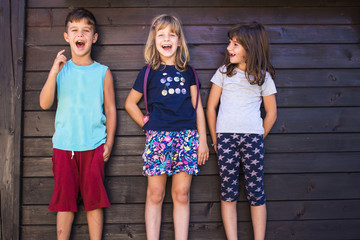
point(106, 153)
point(203, 152)
point(59, 62)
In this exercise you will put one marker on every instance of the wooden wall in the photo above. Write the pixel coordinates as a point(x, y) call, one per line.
point(312, 172)
point(12, 25)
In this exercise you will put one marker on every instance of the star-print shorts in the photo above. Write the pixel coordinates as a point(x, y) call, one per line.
point(236, 150)
point(171, 152)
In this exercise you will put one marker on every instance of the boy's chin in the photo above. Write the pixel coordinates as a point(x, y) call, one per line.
point(80, 53)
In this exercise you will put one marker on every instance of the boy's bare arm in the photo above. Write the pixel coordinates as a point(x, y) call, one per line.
point(47, 94)
point(110, 113)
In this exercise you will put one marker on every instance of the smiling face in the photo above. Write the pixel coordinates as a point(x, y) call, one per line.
point(237, 53)
point(80, 35)
point(167, 42)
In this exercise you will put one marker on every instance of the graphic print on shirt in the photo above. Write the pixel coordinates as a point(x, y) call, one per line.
point(177, 84)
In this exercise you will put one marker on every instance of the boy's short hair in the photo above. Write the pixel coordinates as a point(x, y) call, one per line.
point(80, 13)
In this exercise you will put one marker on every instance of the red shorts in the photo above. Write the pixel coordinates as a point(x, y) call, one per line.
point(82, 170)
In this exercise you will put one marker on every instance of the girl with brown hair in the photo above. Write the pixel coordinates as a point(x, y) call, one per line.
point(237, 131)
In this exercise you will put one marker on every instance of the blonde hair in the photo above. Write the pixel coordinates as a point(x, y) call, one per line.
point(151, 54)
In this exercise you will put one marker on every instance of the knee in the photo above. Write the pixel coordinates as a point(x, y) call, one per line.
point(155, 195)
point(181, 196)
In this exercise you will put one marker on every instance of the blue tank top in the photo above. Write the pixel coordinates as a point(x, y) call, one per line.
point(80, 119)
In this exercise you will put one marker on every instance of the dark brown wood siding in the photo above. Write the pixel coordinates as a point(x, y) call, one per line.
point(12, 25)
point(312, 169)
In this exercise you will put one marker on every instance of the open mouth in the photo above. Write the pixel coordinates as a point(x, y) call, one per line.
point(80, 44)
point(167, 47)
point(231, 55)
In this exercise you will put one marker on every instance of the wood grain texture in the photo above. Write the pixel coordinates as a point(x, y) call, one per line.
point(286, 97)
point(312, 167)
point(322, 78)
point(278, 187)
point(137, 35)
point(313, 229)
point(275, 143)
point(187, 3)
point(210, 16)
point(209, 56)
point(12, 25)
point(314, 120)
point(207, 212)
point(274, 163)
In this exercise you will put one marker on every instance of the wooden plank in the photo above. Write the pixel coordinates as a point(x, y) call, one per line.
point(317, 78)
point(314, 97)
point(207, 188)
point(277, 143)
point(274, 143)
point(274, 163)
point(188, 3)
point(313, 229)
point(206, 16)
point(210, 56)
point(114, 35)
point(320, 120)
point(286, 97)
point(42, 124)
point(12, 20)
point(290, 120)
point(208, 212)
point(39, 17)
point(32, 101)
point(130, 231)
point(34, 81)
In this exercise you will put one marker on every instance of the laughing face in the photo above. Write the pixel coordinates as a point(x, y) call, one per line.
point(167, 43)
point(237, 53)
point(80, 35)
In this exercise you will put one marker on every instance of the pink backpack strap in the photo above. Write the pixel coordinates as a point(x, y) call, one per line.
point(145, 87)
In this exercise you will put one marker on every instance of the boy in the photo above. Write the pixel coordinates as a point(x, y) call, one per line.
point(84, 126)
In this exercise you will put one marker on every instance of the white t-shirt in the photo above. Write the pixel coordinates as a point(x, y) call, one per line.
point(239, 110)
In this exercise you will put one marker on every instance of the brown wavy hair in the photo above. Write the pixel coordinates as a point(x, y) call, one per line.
point(152, 56)
point(254, 39)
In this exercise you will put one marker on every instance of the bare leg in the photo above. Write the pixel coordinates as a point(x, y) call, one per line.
point(180, 191)
point(229, 217)
point(64, 222)
point(258, 217)
point(95, 223)
point(154, 198)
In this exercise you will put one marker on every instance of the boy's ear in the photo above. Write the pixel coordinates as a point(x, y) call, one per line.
point(95, 38)
point(66, 36)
